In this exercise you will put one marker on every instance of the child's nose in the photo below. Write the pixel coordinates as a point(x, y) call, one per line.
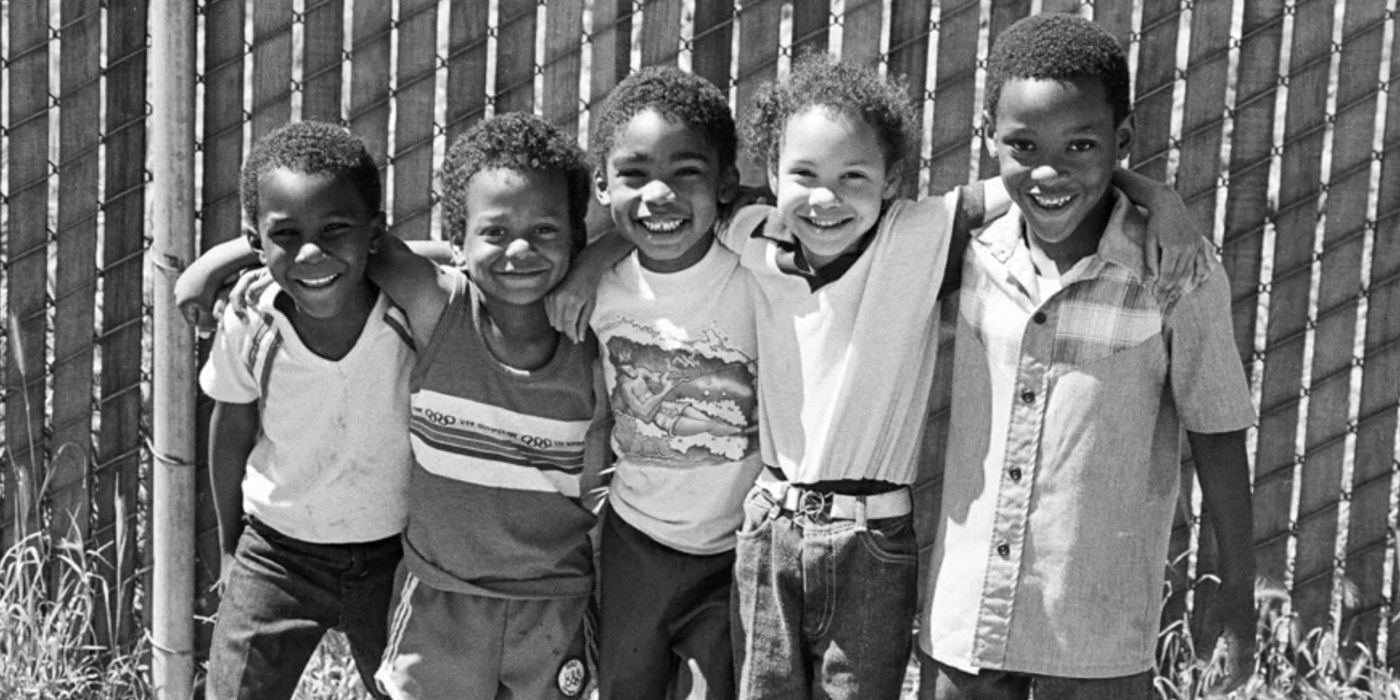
point(518, 248)
point(1046, 171)
point(821, 197)
point(310, 253)
point(657, 191)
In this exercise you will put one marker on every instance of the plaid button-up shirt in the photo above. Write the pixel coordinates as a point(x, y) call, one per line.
point(1063, 463)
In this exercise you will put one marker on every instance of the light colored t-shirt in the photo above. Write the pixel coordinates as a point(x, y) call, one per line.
point(1064, 454)
point(679, 358)
point(332, 458)
point(848, 366)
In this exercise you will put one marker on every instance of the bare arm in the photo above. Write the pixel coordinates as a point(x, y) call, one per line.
point(197, 289)
point(1223, 469)
point(570, 304)
point(1185, 252)
point(233, 430)
point(413, 282)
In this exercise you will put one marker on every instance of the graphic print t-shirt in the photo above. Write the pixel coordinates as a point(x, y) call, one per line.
point(679, 356)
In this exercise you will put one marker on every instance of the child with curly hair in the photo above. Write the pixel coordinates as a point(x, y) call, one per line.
point(509, 430)
point(848, 277)
point(308, 452)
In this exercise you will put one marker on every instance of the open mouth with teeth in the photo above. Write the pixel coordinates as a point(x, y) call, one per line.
point(661, 225)
point(826, 221)
point(318, 282)
point(1052, 203)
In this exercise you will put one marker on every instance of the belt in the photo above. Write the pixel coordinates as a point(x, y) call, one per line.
point(821, 506)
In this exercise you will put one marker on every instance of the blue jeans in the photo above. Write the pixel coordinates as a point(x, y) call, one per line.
point(822, 609)
point(283, 595)
point(939, 682)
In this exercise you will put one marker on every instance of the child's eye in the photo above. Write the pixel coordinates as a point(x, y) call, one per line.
point(546, 231)
point(491, 232)
point(1021, 146)
point(854, 175)
point(631, 174)
point(1082, 146)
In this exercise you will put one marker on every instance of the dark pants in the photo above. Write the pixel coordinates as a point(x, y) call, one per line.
point(823, 609)
point(658, 607)
point(283, 595)
point(939, 682)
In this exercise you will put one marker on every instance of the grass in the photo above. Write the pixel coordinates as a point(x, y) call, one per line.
point(50, 595)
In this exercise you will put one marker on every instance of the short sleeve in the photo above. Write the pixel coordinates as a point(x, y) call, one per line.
point(1207, 379)
point(226, 375)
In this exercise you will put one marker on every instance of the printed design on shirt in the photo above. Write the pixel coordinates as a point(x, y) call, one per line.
point(688, 400)
point(1091, 319)
point(478, 443)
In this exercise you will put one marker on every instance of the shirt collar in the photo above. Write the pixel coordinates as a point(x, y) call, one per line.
point(1122, 243)
point(791, 260)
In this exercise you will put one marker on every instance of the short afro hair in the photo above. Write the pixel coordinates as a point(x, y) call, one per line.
point(1059, 46)
point(310, 148)
point(517, 141)
point(857, 92)
point(675, 95)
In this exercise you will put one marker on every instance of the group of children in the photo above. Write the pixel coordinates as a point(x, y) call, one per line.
point(412, 453)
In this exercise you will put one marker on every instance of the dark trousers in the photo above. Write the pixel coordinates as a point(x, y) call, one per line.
point(283, 595)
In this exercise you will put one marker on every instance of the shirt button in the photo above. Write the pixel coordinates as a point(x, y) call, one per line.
point(1028, 397)
point(1015, 473)
point(1039, 317)
point(1004, 549)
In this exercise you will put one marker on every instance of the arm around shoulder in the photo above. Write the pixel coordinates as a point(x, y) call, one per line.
point(570, 303)
point(198, 286)
point(414, 283)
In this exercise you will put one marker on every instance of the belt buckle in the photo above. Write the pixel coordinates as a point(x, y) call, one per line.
point(815, 506)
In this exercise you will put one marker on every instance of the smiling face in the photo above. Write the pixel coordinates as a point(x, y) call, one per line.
point(316, 233)
point(517, 241)
point(831, 180)
point(663, 184)
point(1058, 145)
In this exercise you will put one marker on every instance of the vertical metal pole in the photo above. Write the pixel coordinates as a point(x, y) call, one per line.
point(171, 125)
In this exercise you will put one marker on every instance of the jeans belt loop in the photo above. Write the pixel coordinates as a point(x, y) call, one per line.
point(860, 513)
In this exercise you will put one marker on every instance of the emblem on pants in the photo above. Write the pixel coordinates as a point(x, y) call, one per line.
point(571, 677)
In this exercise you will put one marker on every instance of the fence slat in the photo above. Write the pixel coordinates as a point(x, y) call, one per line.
point(121, 436)
point(515, 59)
point(466, 68)
point(1156, 76)
point(27, 266)
point(369, 77)
point(323, 60)
point(272, 65)
point(75, 287)
point(563, 59)
point(909, 36)
point(811, 22)
point(1338, 302)
point(661, 25)
point(224, 114)
point(954, 96)
point(710, 52)
point(1288, 309)
point(758, 63)
point(415, 95)
point(860, 38)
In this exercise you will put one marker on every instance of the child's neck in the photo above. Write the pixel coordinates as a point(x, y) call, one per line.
point(1057, 258)
point(518, 336)
point(334, 337)
point(686, 261)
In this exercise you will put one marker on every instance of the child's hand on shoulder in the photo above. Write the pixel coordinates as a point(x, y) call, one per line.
point(570, 304)
point(202, 304)
point(246, 291)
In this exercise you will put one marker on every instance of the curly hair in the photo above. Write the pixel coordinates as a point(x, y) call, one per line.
point(517, 141)
point(820, 80)
point(1059, 46)
point(675, 95)
point(310, 148)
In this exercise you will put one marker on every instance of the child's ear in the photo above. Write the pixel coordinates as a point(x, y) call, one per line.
point(894, 177)
point(255, 242)
point(600, 187)
point(377, 232)
point(1124, 135)
point(773, 179)
point(728, 184)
